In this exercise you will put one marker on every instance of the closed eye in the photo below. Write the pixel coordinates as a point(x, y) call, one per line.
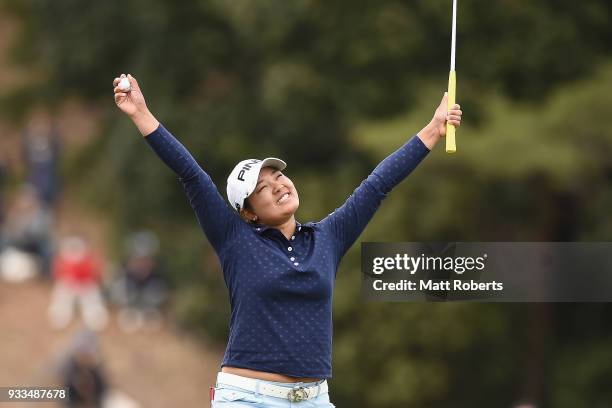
point(264, 186)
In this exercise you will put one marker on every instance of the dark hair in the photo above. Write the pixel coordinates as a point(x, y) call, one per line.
point(246, 205)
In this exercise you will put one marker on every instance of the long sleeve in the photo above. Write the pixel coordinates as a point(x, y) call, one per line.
point(218, 221)
point(349, 221)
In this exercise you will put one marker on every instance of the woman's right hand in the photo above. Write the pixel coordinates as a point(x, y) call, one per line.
point(134, 105)
point(131, 102)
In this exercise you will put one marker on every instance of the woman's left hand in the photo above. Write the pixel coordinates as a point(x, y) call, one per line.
point(444, 115)
point(437, 127)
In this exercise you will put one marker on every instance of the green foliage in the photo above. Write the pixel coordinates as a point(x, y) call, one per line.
point(585, 383)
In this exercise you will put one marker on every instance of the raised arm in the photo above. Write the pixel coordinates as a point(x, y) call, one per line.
point(348, 221)
point(218, 221)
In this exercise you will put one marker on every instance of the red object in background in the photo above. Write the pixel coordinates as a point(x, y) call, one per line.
point(84, 270)
point(212, 394)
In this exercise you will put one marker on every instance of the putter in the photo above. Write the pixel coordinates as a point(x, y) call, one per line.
point(451, 146)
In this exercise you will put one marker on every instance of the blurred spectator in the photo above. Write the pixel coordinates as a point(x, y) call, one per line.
point(41, 155)
point(140, 289)
point(78, 273)
point(3, 171)
point(27, 231)
point(2, 186)
point(83, 375)
point(17, 266)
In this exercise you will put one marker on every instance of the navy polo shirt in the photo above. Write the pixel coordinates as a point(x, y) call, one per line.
point(281, 289)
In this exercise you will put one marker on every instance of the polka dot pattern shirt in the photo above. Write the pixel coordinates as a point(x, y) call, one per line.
point(281, 289)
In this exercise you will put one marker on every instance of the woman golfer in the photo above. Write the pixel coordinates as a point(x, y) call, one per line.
point(280, 273)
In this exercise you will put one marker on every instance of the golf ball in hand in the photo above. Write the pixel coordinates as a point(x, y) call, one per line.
point(125, 85)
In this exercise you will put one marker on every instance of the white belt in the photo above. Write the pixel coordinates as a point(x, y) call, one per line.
point(295, 394)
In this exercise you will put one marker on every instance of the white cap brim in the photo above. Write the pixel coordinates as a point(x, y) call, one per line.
point(273, 162)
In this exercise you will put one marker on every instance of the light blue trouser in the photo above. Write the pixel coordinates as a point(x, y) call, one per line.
point(227, 396)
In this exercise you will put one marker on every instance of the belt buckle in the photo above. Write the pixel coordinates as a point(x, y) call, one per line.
point(297, 394)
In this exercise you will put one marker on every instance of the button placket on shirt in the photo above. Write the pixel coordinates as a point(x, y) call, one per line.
point(290, 248)
point(293, 257)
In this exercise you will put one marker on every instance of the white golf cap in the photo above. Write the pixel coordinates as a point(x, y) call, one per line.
point(243, 179)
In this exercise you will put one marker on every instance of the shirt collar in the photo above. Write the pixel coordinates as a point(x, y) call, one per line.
point(261, 228)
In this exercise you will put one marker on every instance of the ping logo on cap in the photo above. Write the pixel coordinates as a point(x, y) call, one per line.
point(246, 167)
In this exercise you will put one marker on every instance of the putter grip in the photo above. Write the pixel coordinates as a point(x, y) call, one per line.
point(451, 147)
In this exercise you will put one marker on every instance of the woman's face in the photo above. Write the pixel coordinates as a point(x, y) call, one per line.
point(275, 199)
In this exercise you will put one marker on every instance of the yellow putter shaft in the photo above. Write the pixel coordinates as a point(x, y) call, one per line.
point(451, 147)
